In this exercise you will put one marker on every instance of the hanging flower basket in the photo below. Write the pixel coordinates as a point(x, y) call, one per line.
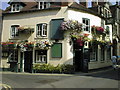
point(97, 31)
point(4, 43)
point(71, 25)
point(43, 44)
point(12, 45)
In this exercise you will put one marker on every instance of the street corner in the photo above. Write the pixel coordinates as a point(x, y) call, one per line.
point(5, 87)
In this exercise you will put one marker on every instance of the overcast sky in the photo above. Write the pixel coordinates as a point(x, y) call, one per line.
point(4, 3)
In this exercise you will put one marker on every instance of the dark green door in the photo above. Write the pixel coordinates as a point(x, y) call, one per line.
point(28, 55)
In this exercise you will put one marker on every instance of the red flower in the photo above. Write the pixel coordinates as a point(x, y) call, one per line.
point(11, 43)
point(25, 45)
point(98, 28)
point(86, 34)
point(101, 29)
point(4, 43)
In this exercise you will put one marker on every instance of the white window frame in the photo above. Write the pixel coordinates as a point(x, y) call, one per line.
point(102, 54)
point(85, 24)
point(93, 55)
point(14, 31)
point(108, 53)
point(43, 5)
point(14, 8)
point(42, 30)
point(40, 58)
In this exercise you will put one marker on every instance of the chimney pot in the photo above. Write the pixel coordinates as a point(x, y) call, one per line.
point(84, 3)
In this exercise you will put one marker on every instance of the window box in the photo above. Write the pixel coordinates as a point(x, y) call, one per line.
point(26, 29)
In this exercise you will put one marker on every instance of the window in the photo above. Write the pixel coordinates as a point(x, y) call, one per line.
point(56, 50)
point(109, 53)
point(5, 53)
point(43, 5)
point(93, 53)
point(15, 7)
point(41, 30)
point(13, 56)
point(86, 23)
point(109, 14)
point(102, 23)
point(102, 53)
point(14, 31)
point(55, 32)
point(41, 56)
point(106, 13)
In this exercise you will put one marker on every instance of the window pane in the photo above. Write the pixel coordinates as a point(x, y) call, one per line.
point(44, 30)
point(93, 53)
point(83, 20)
point(87, 28)
point(87, 22)
point(44, 4)
point(17, 7)
point(39, 29)
point(102, 53)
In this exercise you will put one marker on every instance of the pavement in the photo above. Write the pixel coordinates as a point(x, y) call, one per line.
point(62, 74)
point(102, 78)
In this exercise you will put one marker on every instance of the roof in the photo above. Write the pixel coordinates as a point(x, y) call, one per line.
point(32, 7)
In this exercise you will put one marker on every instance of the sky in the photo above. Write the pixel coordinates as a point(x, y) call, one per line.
point(3, 3)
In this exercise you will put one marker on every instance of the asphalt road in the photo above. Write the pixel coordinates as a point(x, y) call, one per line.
point(97, 79)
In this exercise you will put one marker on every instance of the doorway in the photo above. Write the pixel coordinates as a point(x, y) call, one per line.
point(28, 56)
point(78, 57)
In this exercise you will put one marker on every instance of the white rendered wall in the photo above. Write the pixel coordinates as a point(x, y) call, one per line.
point(94, 20)
point(77, 15)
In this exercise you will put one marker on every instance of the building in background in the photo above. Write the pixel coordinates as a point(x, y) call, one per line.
point(0, 32)
point(115, 9)
point(56, 33)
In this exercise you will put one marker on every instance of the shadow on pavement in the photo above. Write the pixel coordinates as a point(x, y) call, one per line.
point(110, 74)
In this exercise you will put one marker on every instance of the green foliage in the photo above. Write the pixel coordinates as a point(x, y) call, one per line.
point(65, 68)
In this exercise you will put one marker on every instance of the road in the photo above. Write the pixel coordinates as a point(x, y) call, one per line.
point(97, 79)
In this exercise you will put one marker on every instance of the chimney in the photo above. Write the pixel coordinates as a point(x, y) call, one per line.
point(84, 3)
point(102, 2)
point(94, 3)
point(64, 3)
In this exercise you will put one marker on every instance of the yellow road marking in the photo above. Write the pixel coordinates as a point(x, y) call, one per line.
point(7, 87)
